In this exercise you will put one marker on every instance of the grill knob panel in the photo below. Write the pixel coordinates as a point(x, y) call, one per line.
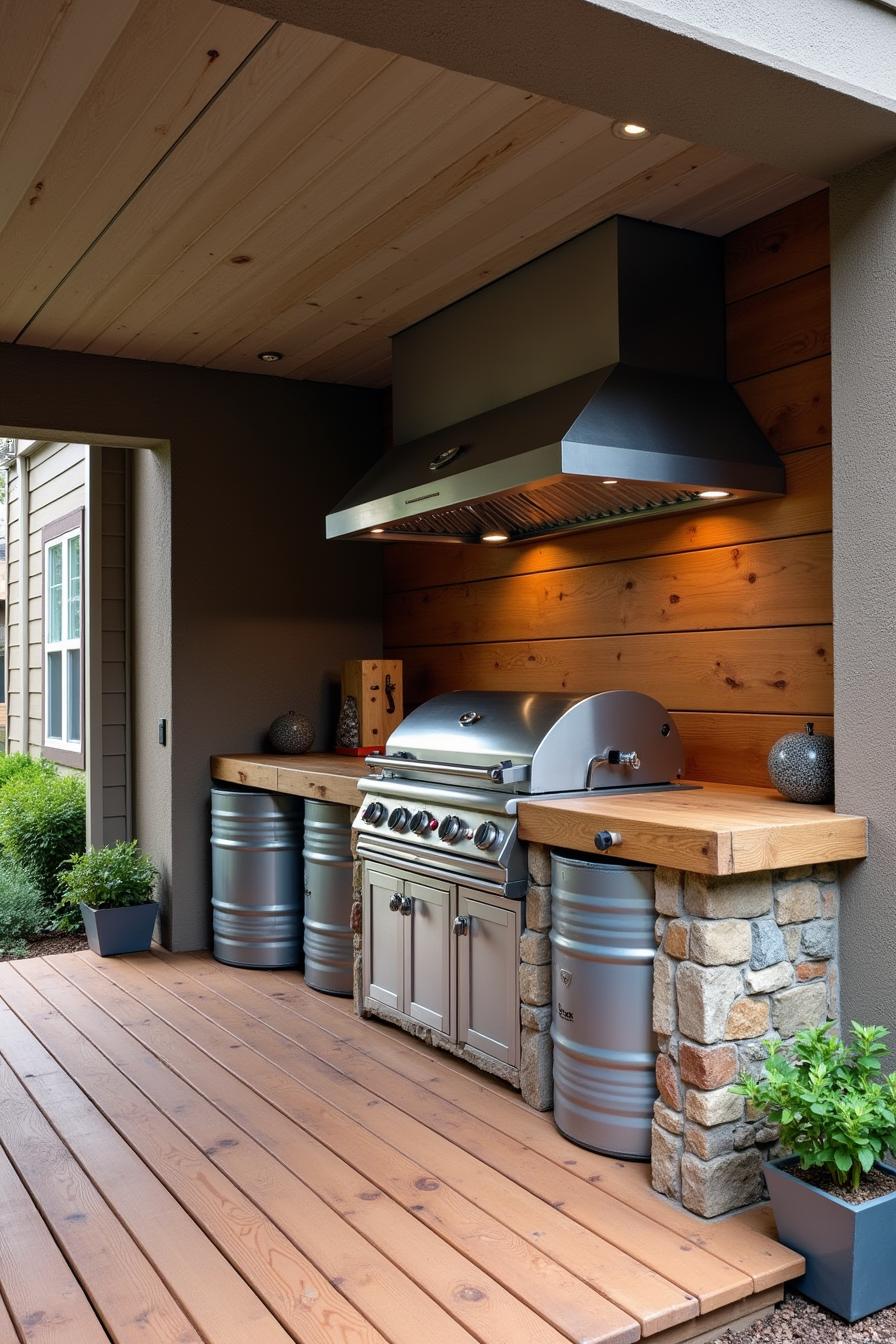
point(374, 813)
point(421, 822)
point(450, 828)
point(487, 835)
point(398, 819)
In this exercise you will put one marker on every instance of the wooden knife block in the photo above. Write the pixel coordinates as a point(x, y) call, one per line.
point(376, 685)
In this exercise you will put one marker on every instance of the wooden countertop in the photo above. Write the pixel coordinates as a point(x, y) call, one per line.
point(716, 829)
point(323, 775)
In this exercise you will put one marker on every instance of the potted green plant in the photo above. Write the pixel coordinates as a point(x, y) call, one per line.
point(113, 889)
point(833, 1197)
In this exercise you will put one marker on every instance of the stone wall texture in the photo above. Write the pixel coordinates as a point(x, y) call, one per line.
point(739, 960)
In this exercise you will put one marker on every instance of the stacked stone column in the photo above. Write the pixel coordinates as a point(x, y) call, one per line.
point(740, 960)
point(536, 1054)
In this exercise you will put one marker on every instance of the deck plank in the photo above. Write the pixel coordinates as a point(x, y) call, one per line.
point(421, 1253)
point(745, 1241)
point(128, 1295)
point(565, 1303)
point(454, 1146)
point(365, 1276)
point(245, 1158)
point(42, 1293)
point(302, 1297)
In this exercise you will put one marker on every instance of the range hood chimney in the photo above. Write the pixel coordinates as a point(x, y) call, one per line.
point(587, 387)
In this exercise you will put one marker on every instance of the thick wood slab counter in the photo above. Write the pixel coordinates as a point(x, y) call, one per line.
point(716, 829)
point(324, 775)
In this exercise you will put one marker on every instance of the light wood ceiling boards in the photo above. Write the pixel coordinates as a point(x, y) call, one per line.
point(191, 183)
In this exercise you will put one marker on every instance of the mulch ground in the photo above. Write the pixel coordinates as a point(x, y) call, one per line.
point(799, 1321)
point(54, 943)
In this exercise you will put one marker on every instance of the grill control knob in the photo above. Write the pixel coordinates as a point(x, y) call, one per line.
point(398, 819)
point(421, 822)
point(487, 835)
point(451, 828)
point(374, 813)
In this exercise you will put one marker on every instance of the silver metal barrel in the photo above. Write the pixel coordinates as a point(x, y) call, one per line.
point(604, 1046)
point(328, 897)
point(256, 877)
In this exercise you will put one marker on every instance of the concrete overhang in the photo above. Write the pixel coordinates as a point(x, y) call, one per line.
point(805, 85)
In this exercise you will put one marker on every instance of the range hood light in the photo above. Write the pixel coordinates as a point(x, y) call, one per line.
point(630, 130)
point(610, 481)
point(714, 494)
point(494, 536)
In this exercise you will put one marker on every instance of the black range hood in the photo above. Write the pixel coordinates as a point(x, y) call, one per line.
point(587, 387)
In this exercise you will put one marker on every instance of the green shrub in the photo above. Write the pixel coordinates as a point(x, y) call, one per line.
point(117, 875)
point(23, 912)
point(42, 824)
point(834, 1109)
point(18, 765)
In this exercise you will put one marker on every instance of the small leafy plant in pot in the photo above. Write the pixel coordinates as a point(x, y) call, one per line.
point(112, 887)
point(833, 1197)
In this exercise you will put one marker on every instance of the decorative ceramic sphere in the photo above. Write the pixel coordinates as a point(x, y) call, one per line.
point(291, 734)
point(801, 766)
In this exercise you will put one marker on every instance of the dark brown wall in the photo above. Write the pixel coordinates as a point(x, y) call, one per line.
point(723, 615)
point(264, 611)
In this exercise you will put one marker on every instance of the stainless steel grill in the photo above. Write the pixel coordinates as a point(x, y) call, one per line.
point(442, 801)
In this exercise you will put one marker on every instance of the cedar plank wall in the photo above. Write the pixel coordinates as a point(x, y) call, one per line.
point(723, 615)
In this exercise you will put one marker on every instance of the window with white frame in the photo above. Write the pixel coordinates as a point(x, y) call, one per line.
point(63, 654)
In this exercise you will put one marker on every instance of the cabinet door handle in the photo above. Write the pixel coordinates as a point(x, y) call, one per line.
point(460, 926)
point(406, 905)
point(395, 901)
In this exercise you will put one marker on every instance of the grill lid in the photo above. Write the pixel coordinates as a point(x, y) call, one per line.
point(537, 742)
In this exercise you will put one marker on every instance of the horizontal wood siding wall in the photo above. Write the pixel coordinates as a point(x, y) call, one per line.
point(724, 616)
point(114, 587)
point(56, 486)
point(13, 614)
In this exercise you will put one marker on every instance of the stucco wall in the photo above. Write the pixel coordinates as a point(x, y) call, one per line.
point(863, 274)
point(263, 611)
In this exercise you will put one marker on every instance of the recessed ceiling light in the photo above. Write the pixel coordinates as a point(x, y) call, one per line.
point(713, 494)
point(494, 536)
point(630, 130)
point(376, 531)
point(611, 480)
point(270, 356)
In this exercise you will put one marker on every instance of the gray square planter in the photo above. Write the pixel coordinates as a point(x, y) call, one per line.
point(850, 1249)
point(127, 928)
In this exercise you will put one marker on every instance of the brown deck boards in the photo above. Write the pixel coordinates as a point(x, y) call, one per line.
point(195, 1153)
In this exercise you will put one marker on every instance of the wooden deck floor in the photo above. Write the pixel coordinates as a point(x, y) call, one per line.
point(194, 1154)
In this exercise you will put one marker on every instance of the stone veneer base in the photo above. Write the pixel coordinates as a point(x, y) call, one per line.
point(741, 960)
point(534, 1077)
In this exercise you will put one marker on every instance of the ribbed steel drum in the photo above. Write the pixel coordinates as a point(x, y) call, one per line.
point(256, 877)
point(328, 897)
point(604, 1047)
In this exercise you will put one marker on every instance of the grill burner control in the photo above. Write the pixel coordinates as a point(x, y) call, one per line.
point(399, 818)
point(487, 835)
point(452, 828)
point(374, 813)
point(421, 822)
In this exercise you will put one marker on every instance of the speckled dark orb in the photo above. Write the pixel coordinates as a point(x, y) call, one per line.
point(801, 766)
point(291, 734)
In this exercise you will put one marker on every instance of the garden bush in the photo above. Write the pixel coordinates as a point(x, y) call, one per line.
point(23, 912)
point(42, 825)
point(18, 765)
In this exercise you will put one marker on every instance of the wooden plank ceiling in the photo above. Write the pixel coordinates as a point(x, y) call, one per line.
point(191, 183)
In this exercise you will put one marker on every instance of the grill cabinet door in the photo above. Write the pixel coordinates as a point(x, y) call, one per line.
point(384, 935)
point(488, 998)
point(427, 963)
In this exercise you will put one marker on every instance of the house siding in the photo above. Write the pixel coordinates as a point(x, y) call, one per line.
point(56, 478)
point(114, 584)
